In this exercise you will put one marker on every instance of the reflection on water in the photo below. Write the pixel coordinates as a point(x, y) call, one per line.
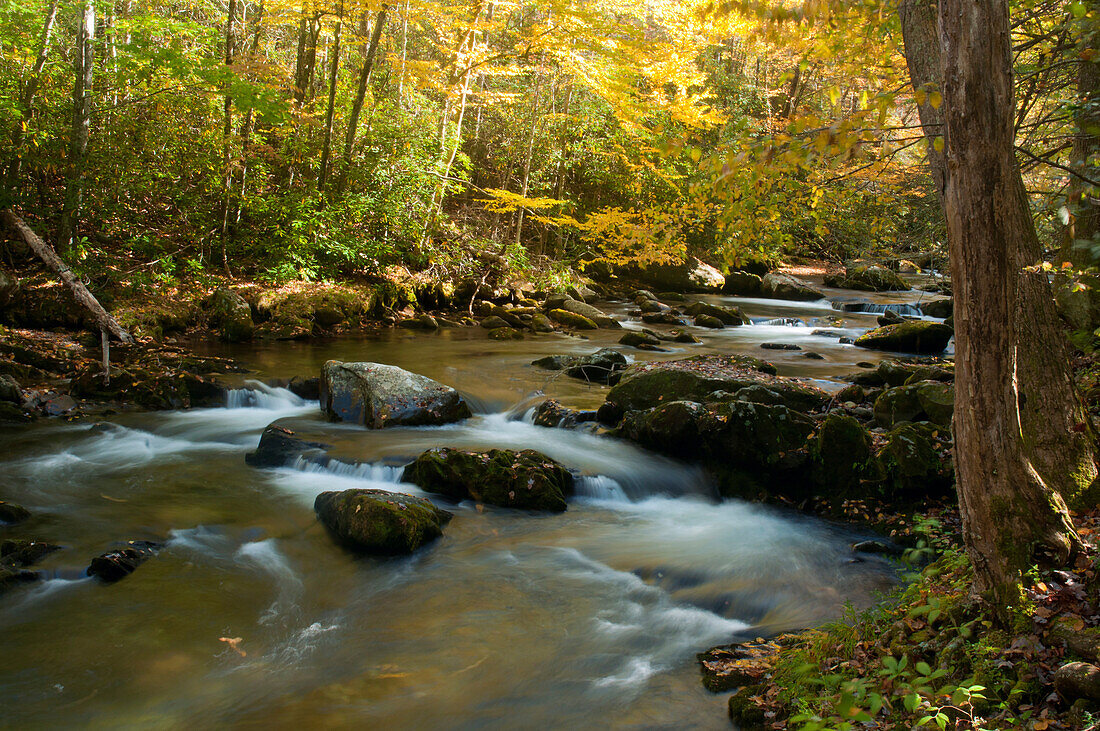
point(587, 618)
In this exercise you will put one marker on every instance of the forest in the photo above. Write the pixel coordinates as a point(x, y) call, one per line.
point(451, 364)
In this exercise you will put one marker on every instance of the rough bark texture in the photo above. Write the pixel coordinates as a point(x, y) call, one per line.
point(1086, 146)
point(1011, 518)
point(922, 56)
point(80, 293)
point(1058, 433)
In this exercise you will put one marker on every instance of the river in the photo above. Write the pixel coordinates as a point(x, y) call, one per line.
point(585, 619)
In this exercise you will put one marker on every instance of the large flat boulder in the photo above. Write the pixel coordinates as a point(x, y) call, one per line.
point(692, 275)
point(380, 522)
point(595, 314)
point(645, 385)
point(917, 336)
point(377, 395)
point(527, 479)
point(777, 285)
point(868, 279)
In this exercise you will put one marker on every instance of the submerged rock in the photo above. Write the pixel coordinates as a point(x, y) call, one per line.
point(550, 413)
point(11, 578)
point(116, 565)
point(11, 513)
point(918, 336)
point(527, 479)
point(24, 551)
point(380, 522)
point(378, 396)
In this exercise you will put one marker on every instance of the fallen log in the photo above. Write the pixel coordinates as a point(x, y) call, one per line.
point(49, 257)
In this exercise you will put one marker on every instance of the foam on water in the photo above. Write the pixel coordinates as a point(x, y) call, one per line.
point(266, 556)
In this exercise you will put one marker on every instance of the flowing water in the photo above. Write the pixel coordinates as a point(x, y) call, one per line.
point(585, 619)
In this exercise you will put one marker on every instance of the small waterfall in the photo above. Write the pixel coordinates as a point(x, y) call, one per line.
point(257, 395)
point(372, 471)
point(905, 310)
point(781, 322)
point(599, 487)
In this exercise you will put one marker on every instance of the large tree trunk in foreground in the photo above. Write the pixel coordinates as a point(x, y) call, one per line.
point(83, 297)
point(1011, 518)
point(1058, 433)
point(81, 127)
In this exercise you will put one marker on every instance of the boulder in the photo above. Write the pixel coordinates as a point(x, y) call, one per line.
point(279, 447)
point(921, 401)
point(840, 453)
point(305, 388)
point(582, 293)
point(231, 315)
point(685, 337)
point(912, 462)
point(869, 279)
point(890, 317)
point(422, 321)
point(742, 284)
point(728, 316)
point(918, 336)
point(550, 413)
point(780, 346)
point(603, 366)
point(710, 322)
point(645, 385)
point(692, 275)
point(380, 522)
point(118, 564)
point(10, 390)
point(24, 551)
point(505, 333)
point(11, 513)
point(11, 578)
point(941, 308)
point(494, 322)
point(526, 480)
point(635, 339)
point(1076, 680)
point(378, 396)
point(540, 323)
point(650, 306)
point(1078, 300)
point(662, 318)
point(572, 319)
point(601, 318)
point(777, 285)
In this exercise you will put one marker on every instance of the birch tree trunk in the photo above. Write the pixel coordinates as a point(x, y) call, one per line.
point(81, 127)
point(1011, 518)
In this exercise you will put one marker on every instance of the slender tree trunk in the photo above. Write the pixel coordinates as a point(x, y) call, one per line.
point(404, 50)
point(922, 55)
point(81, 127)
point(559, 184)
point(26, 100)
point(227, 129)
point(361, 94)
point(1058, 433)
point(531, 132)
point(246, 128)
point(326, 152)
point(1011, 518)
point(1081, 234)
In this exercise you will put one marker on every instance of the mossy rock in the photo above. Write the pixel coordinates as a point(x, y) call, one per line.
point(922, 401)
point(148, 388)
point(646, 385)
point(917, 336)
point(12, 513)
point(910, 464)
point(869, 279)
point(726, 316)
point(744, 712)
point(841, 452)
point(380, 522)
point(527, 479)
point(231, 315)
point(572, 319)
point(743, 284)
point(777, 285)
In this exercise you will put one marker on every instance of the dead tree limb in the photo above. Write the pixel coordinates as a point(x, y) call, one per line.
point(83, 297)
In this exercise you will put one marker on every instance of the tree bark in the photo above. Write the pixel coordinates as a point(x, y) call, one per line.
point(83, 297)
point(227, 129)
point(326, 150)
point(81, 127)
point(527, 158)
point(922, 56)
point(1011, 518)
point(1058, 433)
point(246, 128)
point(1081, 235)
point(361, 94)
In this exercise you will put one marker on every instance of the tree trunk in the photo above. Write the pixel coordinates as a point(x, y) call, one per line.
point(361, 94)
point(83, 297)
point(326, 151)
point(81, 127)
point(1058, 433)
point(227, 128)
point(26, 100)
point(246, 128)
point(1011, 518)
point(1081, 235)
point(527, 158)
point(922, 56)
